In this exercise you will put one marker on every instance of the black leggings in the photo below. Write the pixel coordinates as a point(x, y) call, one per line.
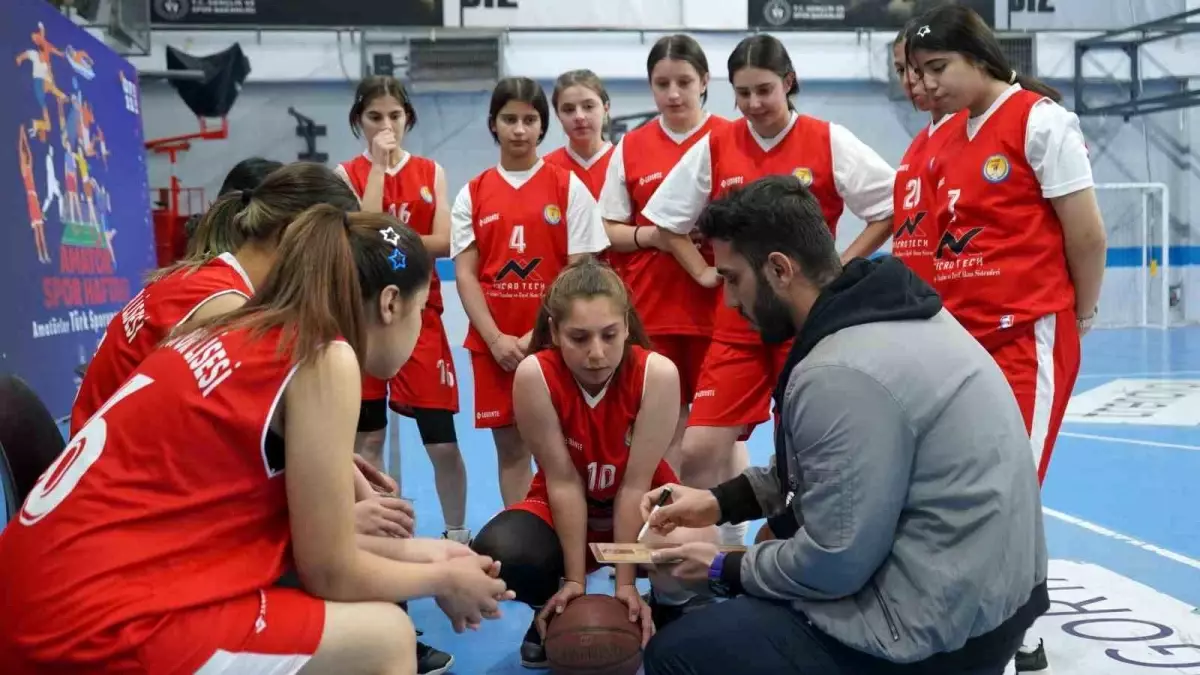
point(529, 551)
point(436, 426)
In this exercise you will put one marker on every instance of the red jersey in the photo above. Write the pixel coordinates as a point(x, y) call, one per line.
point(666, 297)
point(591, 171)
point(914, 232)
point(521, 234)
point(1000, 260)
point(171, 497)
point(597, 429)
point(408, 196)
point(738, 160)
point(146, 321)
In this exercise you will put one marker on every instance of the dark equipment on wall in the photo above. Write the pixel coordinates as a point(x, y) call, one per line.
point(309, 130)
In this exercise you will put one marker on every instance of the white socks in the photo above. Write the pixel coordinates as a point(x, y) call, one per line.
point(459, 534)
point(733, 535)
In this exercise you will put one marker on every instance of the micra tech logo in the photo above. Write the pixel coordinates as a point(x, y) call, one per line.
point(956, 244)
point(523, 270)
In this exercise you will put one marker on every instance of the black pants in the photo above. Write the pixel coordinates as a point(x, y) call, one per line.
point(529, 551)
point(754, 636)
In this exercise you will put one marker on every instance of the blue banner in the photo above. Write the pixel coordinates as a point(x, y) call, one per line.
point(77, 240)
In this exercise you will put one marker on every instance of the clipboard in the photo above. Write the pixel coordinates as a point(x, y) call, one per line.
point(616, 554)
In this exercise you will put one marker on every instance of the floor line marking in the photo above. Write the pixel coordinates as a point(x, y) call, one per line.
point(1124, 538)
point(1117, 376)
point(1130, 441)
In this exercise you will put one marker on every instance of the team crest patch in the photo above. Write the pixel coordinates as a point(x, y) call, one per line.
point(996, 168)
point(552, 214)
point(804, 174)
point(426, 194)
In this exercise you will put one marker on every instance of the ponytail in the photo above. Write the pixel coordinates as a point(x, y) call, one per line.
point(216, 233)
point(312, 292)
point(261, 214)
point(1037, 86)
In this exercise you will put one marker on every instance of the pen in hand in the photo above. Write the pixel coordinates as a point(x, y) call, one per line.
point(663, 498)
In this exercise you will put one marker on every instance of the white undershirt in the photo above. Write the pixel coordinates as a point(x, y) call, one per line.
point(862, 178)
point(585, 230)
point(1054, 145)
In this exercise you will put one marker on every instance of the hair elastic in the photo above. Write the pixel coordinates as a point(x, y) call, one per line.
point(346, 220)
point(247, 195)
point(1012, 79)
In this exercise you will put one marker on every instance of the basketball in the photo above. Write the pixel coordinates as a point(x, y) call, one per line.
point(594, 636)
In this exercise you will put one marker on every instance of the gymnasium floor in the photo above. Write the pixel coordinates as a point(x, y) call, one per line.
point(1122, 524)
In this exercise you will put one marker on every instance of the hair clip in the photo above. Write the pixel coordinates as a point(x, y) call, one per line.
point(923, 31)
point(398, 259)
point(391, 236)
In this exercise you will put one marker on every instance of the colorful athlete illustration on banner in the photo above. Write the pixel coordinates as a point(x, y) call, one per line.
point(83, 203)
point(74, 175)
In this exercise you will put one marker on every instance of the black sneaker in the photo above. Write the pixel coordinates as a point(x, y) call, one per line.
point(1032, 661)
point(431, 661)
point(533, 652)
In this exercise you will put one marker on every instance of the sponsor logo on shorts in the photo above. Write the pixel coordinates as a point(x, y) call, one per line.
point(487, 414)
point(705, 393)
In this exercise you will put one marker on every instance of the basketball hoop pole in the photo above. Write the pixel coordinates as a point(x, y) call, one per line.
point(173, 146)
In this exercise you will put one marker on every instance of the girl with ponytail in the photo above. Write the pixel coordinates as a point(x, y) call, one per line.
point(155, 541)
point(598, 410)
point(1021, 245)
point(237, 241)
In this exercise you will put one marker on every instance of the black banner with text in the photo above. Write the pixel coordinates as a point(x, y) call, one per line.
point(850, 14)
point(306, 13)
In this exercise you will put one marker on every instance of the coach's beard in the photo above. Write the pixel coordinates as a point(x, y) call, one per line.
point(772, 317)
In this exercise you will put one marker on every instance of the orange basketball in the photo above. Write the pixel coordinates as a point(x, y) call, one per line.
point(594, 636)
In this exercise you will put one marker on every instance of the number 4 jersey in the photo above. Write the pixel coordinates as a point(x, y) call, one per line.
point(170, 497)
point(597, 431)
point(525, 226)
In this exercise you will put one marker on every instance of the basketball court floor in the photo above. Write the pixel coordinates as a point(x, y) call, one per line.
point(1122, 505)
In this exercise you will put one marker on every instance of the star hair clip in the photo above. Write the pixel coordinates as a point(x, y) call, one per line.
point(391, 236)
point(923, 31)
point(398, 260)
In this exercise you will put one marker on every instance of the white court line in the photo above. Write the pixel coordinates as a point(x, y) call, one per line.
point(1130, 441)
point(1105, 532)
point(1115, 376)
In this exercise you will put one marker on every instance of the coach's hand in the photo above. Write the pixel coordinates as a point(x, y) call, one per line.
point(689, 563)
point(688, 507)
point(471, 591)
point(384, 516)
point(507, 351)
